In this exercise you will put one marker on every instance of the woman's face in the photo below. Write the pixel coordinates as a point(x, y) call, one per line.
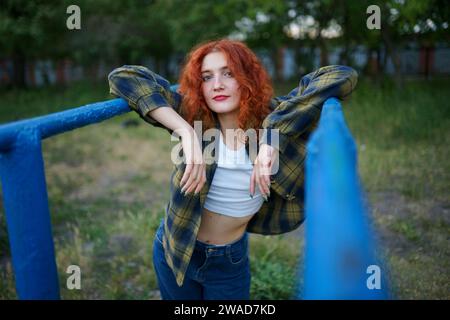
point(220, 88)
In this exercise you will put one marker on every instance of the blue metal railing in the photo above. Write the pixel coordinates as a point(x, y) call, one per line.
point(340, 248)
point(25, 193)
point(338, 236)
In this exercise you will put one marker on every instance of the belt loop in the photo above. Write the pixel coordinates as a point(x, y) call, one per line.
point(228, 249)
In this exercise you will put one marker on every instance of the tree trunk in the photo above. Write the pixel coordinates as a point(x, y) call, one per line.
point(91, 71)
point(277, 59)
point(391, 49)
point(345, 54)
point(371, 65)
point(280, 62)
point(323, 52)
point(19, 70)
point(61, 72)
point(426, 60)
point(31, 66)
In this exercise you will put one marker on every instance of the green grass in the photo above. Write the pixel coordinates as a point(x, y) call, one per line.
point(18, 104)
point(274, 263)
point(403, 142)
point(403, 137)
point(108, 187)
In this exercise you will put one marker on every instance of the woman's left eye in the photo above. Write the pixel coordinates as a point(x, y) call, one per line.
point(227, 74)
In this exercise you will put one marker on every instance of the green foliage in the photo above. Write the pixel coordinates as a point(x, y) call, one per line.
point(274, 264)
point(133, 31)
point(33, 28)
point(127, 31)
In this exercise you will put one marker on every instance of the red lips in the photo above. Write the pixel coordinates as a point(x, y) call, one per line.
point(220, 98)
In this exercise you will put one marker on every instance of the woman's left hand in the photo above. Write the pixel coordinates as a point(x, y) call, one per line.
point(262, 170)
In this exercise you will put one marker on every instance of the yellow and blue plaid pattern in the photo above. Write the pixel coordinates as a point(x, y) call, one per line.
point(295, 115)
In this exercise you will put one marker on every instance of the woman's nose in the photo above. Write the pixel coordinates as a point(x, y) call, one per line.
point(218, 84)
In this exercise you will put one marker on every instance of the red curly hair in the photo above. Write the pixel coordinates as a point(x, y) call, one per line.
point(255, 84)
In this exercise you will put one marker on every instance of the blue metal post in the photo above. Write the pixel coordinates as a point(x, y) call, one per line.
point(28, 218)
point(25, 193)
point(339, 244)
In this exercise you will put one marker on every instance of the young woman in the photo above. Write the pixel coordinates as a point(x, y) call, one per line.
point(201, 248)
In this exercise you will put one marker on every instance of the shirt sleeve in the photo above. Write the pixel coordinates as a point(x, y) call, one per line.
point(144, 91)
point(296, 111)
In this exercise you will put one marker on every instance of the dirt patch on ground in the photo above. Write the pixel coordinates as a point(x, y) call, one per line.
point(134, 170)
point(405, 225)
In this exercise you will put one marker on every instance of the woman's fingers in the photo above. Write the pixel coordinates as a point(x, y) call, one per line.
point(191, 181)
point(252, 183)
point(262, 183)
point(200, 173)
point(266, 175)
point(260, 178)
point(196, 179)
point(186, 174)
point(201, 181)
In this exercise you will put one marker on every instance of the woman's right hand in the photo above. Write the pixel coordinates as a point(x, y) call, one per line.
point(194, 176)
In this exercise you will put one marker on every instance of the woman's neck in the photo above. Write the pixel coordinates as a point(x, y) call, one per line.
point(229, 121)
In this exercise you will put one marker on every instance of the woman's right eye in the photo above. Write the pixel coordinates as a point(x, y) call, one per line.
point(205, 78)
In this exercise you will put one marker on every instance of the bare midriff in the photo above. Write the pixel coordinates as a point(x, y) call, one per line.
point(220, 229)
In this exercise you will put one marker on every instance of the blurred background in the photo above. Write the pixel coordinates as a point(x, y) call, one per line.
point(108, 184)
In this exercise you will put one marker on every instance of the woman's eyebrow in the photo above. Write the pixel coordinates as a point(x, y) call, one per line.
point(225, 67)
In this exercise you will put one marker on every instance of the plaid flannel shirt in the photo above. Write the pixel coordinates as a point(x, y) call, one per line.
point(295, 115)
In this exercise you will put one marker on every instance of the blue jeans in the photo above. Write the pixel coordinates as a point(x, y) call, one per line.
point(215, 272)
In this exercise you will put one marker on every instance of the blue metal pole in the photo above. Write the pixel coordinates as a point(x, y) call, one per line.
point(28, 218)
point(339, 243)
point(59, 122)
point(25, 192)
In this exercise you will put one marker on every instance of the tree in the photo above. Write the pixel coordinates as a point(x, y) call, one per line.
point(192, 22)
point(27, 31)
point(268, 21)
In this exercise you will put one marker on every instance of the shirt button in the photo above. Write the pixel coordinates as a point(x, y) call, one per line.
point(290, 197)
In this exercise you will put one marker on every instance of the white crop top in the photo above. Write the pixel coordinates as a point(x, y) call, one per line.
point(229, 193)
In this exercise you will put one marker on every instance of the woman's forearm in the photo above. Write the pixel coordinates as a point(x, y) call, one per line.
point(171, 120)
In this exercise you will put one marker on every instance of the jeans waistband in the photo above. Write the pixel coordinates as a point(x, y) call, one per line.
point(199, 245)
point(222, 248)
